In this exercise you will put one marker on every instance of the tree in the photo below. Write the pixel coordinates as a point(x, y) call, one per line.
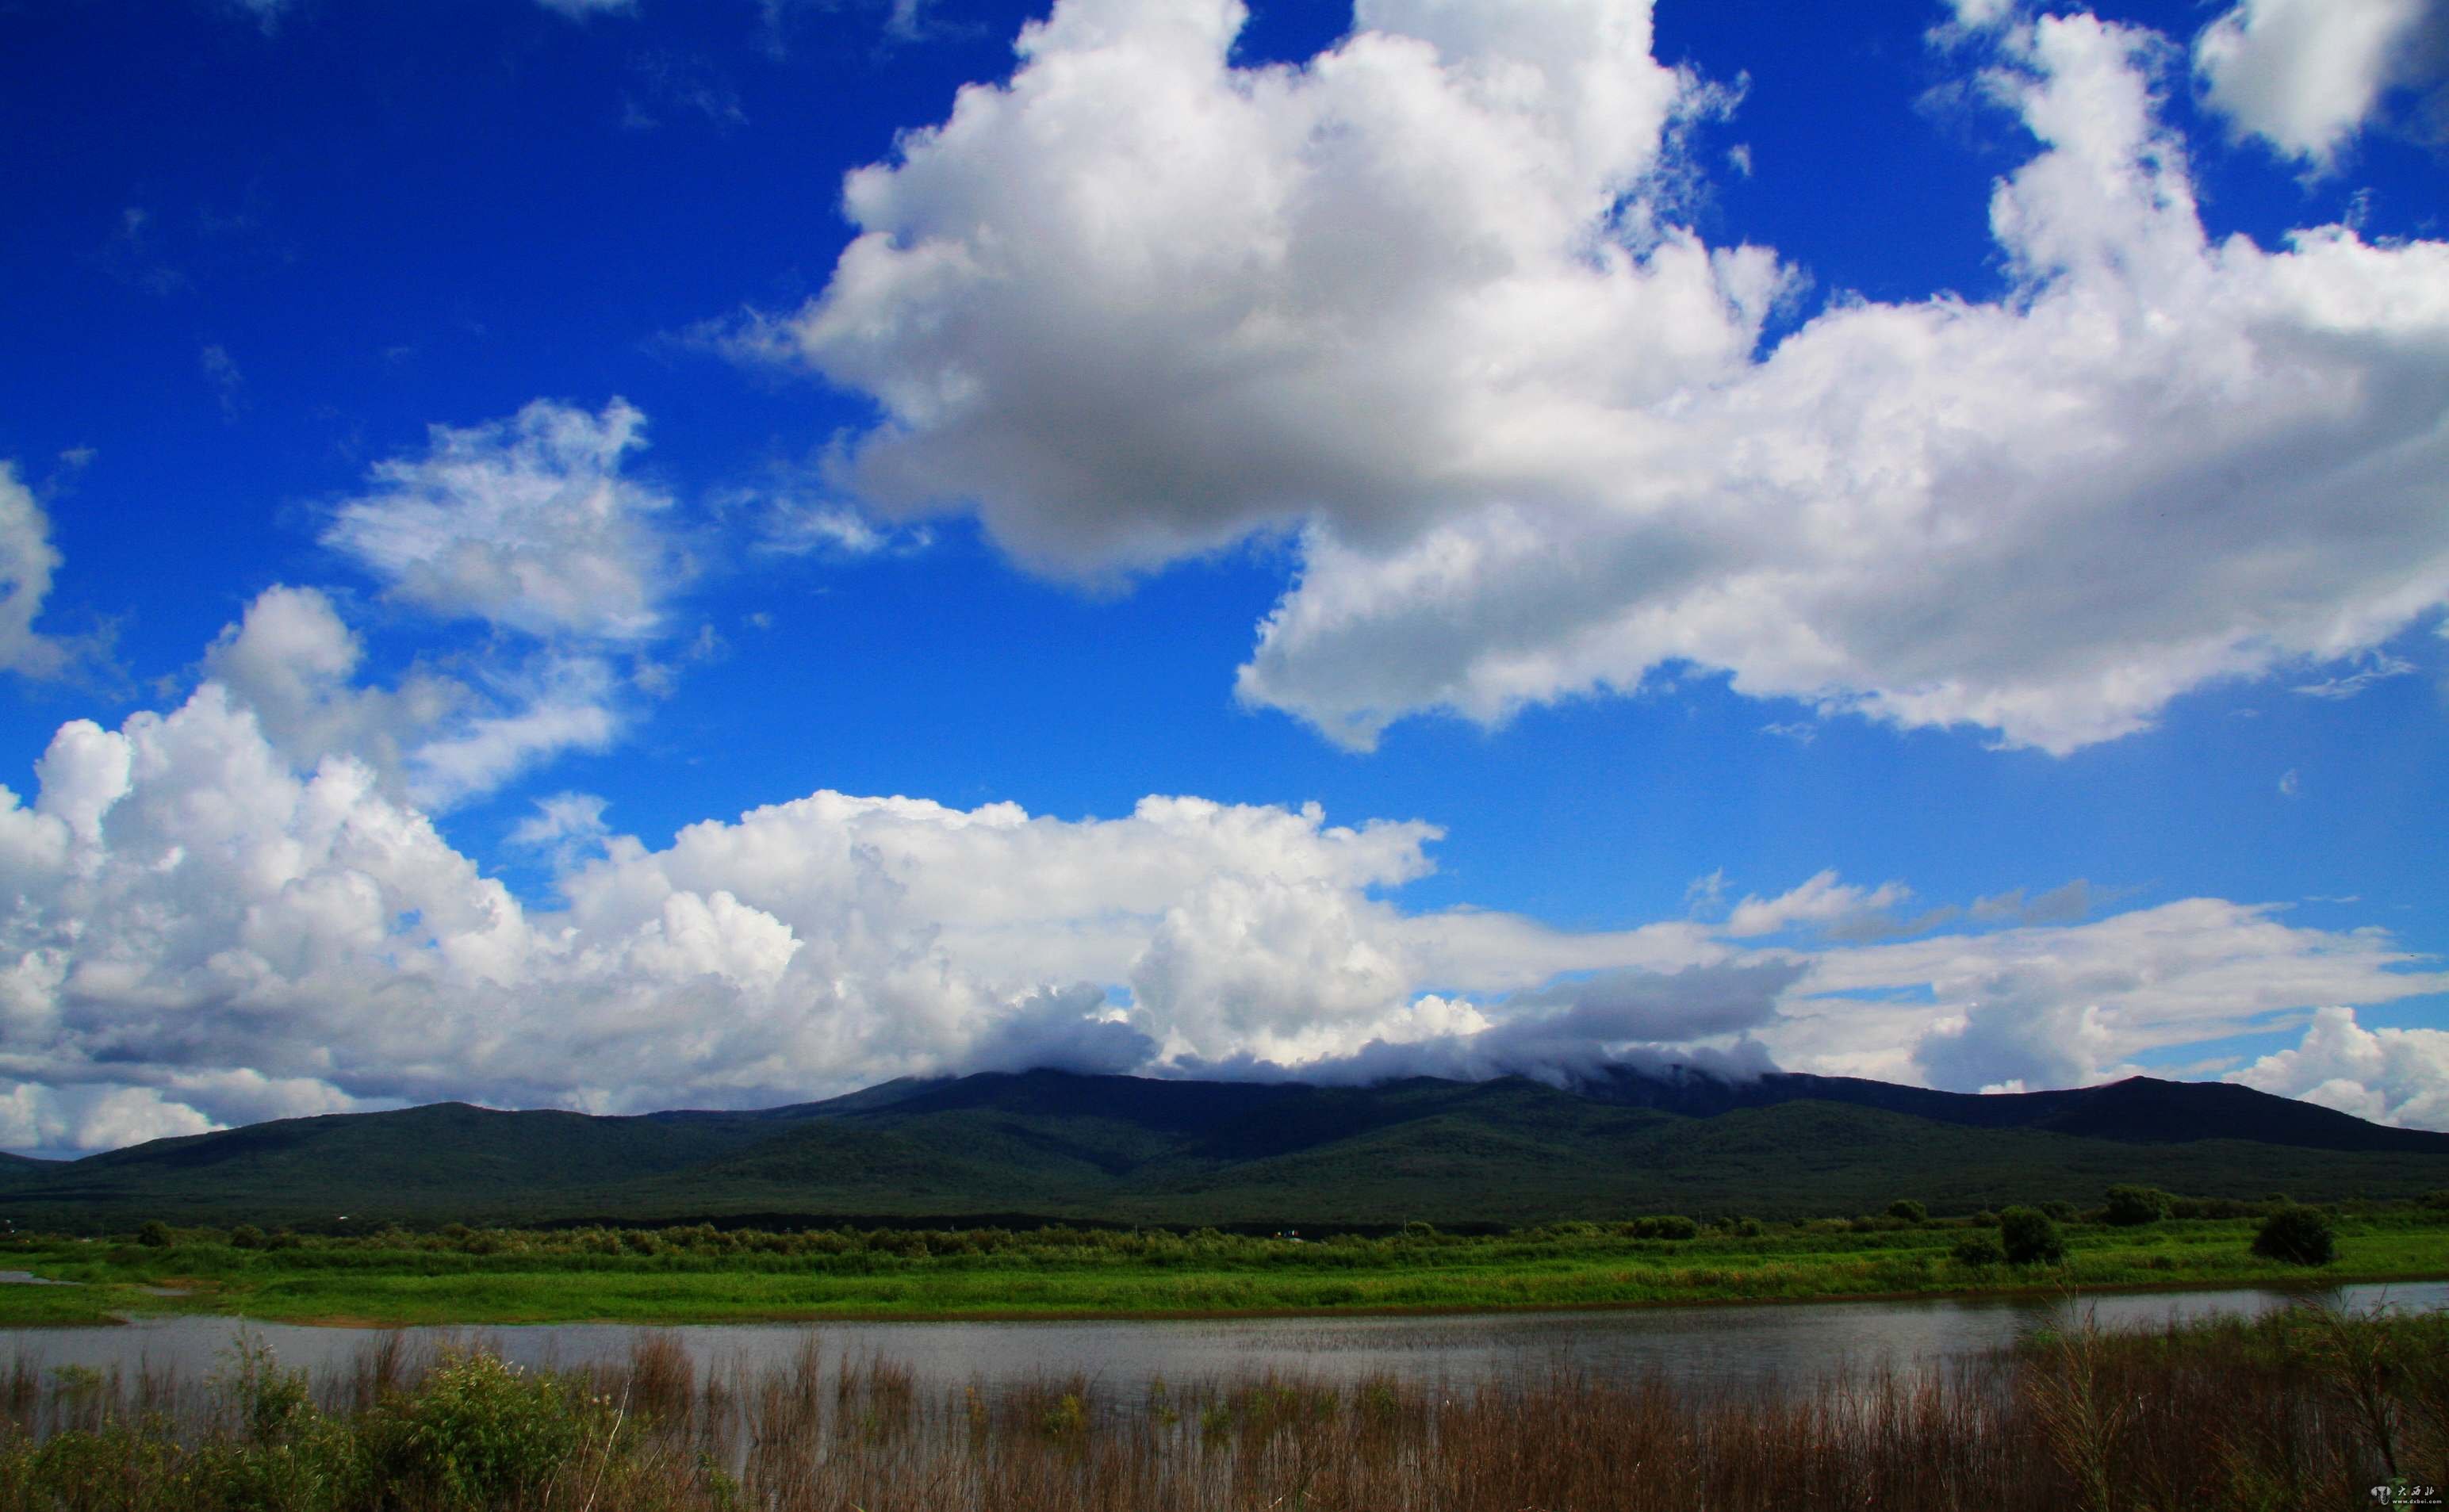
point(2298, 1235)
point(1907, 1209)
point(2030, 1237)
point(2134, 1206)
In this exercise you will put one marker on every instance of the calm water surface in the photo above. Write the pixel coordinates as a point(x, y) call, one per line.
point(1698, 1347)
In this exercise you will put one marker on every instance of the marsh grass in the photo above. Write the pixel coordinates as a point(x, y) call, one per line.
point(2301, 1410)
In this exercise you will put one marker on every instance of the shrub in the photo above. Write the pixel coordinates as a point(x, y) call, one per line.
point(2131, 1207)
point(2030, 1236)
point(482, 1434)
point(246, 1236)
point(1664, 1226)
point(1746, 1228)
point(1978, 1249)
point(2060, 1211)
point(155, 1236)
point(1907, 1209)
point(271, 1404)
point(2297, 1235)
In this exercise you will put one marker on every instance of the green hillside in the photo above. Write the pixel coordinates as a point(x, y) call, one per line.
point(1051, 1144)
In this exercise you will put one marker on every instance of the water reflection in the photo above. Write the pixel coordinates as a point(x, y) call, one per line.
point(1696, 1346)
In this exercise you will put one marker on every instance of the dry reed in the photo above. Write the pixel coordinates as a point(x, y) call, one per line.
point(2300, 1412)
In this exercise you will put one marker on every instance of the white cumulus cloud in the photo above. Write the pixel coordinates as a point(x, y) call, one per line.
point(2305, 75)
point(2388, 1076)
point(2063, 1006)
point(525, 523)
point(437, 739)
point(198, 930)
point(1424, 302)
point(27, 561)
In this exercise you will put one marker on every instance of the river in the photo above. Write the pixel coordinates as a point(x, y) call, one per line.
point(1738, 1345)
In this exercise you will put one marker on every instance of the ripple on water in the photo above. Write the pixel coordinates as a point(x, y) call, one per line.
point(1699, 1347)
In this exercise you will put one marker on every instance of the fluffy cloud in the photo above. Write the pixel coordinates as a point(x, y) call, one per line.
point(1424, 302)
point(2048, 1006)
point(435, 738)
point(526, 524)
point(27, 560)
point(2389, 1076)
point(293, 660)
point(80, 1120)
point(198, 930)
point(1139, 303)
point(190, 912)
point(2304, 75)
point(1699, 1016)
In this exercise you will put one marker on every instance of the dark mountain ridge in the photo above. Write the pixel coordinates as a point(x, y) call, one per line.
point(1069, 1146)
point(2142, 1110)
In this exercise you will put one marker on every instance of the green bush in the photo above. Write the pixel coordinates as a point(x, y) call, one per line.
point(1907, 1209)
point(2131, 1207)
point(155, 1236)
point(482, 1434)
point(2060, 1211)
point(1976, 1250)
point(271, 1404)
point(246, 1236)
point(2029, 1237)
point(2297, 1235)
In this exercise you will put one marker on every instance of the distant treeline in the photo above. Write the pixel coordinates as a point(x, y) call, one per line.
point(916, 1240)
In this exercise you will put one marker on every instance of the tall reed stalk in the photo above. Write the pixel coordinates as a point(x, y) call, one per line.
point(2292, 1413)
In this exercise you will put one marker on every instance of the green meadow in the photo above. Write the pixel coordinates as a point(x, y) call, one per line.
point(703, 1274)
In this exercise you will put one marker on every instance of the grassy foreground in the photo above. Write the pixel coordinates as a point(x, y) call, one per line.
point(2310, 1410)
point(703, 1274)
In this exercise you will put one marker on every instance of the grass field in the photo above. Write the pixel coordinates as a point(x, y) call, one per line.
point(703, 1274)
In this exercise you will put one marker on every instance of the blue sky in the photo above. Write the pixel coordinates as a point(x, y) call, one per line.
point(1890, 540)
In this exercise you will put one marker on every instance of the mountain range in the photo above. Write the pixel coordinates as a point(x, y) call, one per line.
point(1054, 1145)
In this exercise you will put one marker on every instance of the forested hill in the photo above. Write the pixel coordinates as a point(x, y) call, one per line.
point(1058, 1145)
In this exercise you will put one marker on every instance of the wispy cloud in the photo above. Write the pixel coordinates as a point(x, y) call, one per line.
point(2378, 667)
point(228, 384)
